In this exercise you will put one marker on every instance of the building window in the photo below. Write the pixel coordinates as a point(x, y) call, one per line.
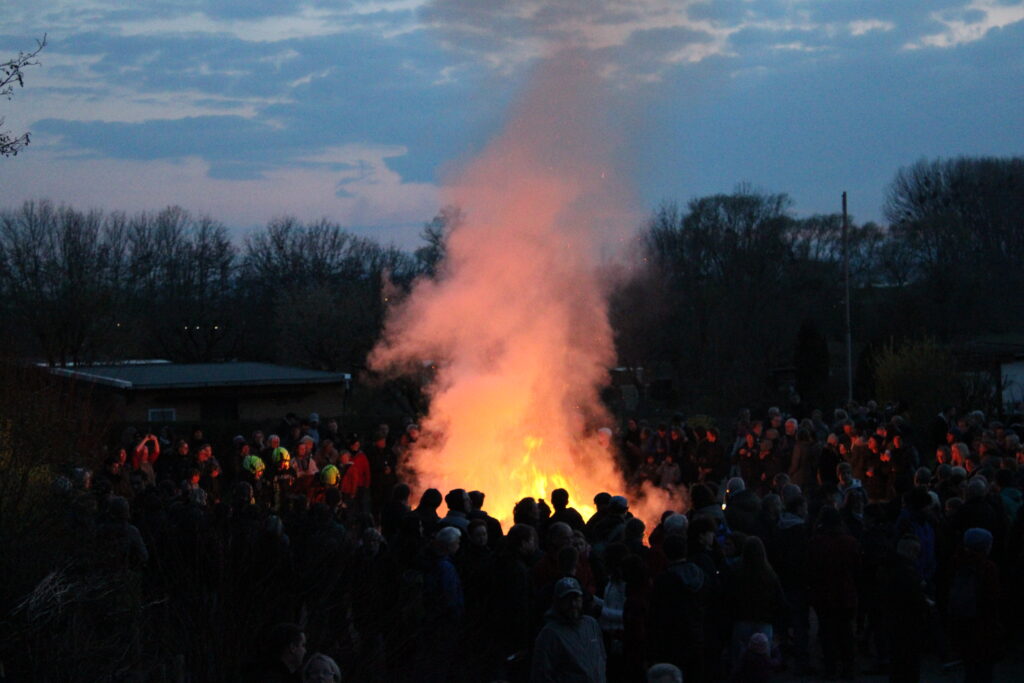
point(162, 415)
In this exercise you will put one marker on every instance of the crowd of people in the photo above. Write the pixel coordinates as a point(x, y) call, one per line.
point(817, 547)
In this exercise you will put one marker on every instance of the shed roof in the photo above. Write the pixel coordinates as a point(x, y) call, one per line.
point(164, 375)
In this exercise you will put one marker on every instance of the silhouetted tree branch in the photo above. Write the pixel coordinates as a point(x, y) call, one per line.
point(11, 74)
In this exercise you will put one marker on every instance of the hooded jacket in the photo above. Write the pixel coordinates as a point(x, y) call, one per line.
point(568, 651)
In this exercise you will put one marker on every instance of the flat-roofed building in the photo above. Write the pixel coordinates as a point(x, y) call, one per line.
point(164, 392)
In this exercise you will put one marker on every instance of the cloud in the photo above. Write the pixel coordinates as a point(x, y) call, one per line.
point(380, 200)
point(970, 23)
point(863, 26)
point(507, 36)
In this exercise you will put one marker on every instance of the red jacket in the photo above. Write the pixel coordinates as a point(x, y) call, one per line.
point(357, 476)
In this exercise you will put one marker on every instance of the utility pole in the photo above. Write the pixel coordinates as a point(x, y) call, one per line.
point(846, 284)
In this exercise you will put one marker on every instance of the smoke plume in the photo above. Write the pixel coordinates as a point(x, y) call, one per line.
point(516, 321)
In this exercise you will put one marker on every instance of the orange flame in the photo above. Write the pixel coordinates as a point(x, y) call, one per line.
point(535, 482)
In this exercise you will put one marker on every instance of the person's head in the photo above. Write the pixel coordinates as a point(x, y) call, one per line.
point(305, 446)
point(976, 488)
point(922, 476)
point(732, 546)
point(771, 506)
point(702, 532)
point(521, 540)
point(780, 481)
point(664, 673)
point(759, 645)
point(457, 500)
point(634, 529)
point(618, 505)
point(400, 493)
point(844, 472)
point(559, 535)
point(254, 465)
point(526, 512)
point(909, 547)
point(797, 505)
point(273, 441)
point(181, 448)
point(478, 533)
point(701, 496)
point(330, 475)
point(352, 443)
point(431, 499)
point(287, 643)
point(446, 540)
point(321, 669)
point(568, 599)
point(675, 547)
point(579, 541)
point(790, 491)
point(978, 540)
point(560, 499)
point(734, 486)
point(675, 525)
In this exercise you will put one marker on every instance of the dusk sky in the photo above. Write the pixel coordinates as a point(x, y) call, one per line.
point(357, 111)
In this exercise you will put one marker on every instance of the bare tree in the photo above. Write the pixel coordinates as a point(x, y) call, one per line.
point(11, 74)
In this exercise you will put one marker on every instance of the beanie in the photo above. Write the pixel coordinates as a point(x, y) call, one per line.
point(978, 540)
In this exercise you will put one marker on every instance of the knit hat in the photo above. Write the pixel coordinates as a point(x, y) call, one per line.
point(329, 475)
point(281, 453)
point(978, 540)
point(253, 464)
point(618, 504)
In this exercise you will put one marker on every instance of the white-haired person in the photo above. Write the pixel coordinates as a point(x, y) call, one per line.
point(321, 669)
point(664, 673)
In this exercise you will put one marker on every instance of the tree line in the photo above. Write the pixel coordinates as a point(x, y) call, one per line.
point(730, 291)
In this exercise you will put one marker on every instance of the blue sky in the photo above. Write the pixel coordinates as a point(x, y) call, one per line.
point(356, 111)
